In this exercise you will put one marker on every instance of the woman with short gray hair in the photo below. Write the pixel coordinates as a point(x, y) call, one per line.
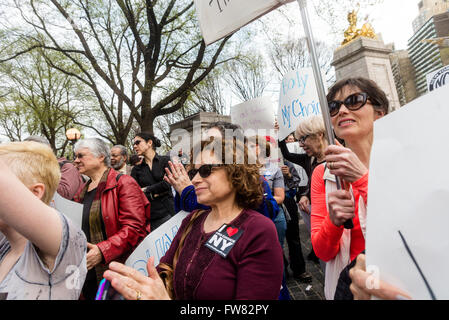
point(97, 147)
point(114, 217)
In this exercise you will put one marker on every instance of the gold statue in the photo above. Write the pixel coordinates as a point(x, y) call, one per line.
point(352, 32)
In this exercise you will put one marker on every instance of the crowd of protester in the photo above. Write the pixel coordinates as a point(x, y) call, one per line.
point(258, 201)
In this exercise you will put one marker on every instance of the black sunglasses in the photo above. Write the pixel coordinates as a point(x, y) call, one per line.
point(136, 143)
point(353, 102)
point(205, 170)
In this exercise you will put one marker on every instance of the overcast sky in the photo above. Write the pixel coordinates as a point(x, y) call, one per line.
point(394, 20)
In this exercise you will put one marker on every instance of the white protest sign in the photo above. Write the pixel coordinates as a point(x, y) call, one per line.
point(254, 114)
point(219, 18)
point(408, 198)
point(438, 78)
point(155, 244)
point(71, 209)
point(298, 100)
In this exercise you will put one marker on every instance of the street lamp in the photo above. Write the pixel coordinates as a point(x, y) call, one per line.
point(73, 136)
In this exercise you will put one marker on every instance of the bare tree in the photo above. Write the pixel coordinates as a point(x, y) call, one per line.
point(41, 100)
point(293, 54)
point(247, 77)
point(141, 59)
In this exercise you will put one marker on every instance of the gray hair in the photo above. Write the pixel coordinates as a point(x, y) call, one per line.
point(123, 150)
point(38, 139)
point(98, 148)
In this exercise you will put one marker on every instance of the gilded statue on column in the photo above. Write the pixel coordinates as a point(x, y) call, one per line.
point(352, 32)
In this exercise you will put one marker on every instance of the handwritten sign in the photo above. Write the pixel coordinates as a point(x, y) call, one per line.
point(72, 210)
point(219, 18)
point(155, 244)
point(298, 100)
point(254, 114)
point(407, 241)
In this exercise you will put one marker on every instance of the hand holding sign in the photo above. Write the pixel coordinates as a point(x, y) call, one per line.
point(344, 163)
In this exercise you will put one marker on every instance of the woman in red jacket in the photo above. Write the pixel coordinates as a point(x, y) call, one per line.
point(113, 212)
point(354, 105)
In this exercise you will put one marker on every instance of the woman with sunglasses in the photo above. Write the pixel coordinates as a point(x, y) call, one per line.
point(228, 252)
point(178, 177)
point(354, 105)
point(149, 174)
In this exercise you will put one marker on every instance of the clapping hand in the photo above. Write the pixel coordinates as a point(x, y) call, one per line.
point(133, 285)
point(177, 176)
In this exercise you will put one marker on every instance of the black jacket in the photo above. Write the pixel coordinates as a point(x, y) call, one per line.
point(302, 159)
point(158, 191)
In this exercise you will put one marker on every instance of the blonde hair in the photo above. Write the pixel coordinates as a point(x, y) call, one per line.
point(32, 163)
point(313, 125)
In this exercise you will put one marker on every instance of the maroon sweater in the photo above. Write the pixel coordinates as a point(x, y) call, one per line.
point(252, 270)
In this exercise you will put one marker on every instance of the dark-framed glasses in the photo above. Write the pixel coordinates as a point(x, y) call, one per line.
point(353, 102)
point(136, 143)
point(303, 138)
point(205, 170)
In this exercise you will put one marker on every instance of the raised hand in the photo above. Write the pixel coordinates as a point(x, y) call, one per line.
point(133, 285)
point(177, 176)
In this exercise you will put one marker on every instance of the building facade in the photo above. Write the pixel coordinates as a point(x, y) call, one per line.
point(426, 57)
point(404, 76)
point(427, 9)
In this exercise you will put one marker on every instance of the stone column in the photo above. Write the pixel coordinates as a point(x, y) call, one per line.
point(368, 58)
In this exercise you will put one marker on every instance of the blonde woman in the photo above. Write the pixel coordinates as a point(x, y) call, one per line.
point(42, 254)
point(311, 136)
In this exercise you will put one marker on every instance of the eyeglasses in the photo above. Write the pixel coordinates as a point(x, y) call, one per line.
point(205, 170)
point(303, 138)
point(136, 143)
point(353, 102)
point(79, 155)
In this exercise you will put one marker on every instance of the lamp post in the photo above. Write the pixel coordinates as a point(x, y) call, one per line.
point(73, 136)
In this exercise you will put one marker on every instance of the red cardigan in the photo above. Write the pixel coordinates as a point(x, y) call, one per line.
point(325, 235)
point(123, 211)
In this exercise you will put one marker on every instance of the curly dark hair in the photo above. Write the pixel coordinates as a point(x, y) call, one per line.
point(242, 169)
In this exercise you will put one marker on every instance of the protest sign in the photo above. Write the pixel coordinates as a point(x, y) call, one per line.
point(298, 100)
point(155, 244)
point(219, 18)
point(407, 241)
point(71, 209)
point(254, 114)
point(438, 78)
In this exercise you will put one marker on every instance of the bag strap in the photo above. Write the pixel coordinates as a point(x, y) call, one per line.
point(168, 270)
